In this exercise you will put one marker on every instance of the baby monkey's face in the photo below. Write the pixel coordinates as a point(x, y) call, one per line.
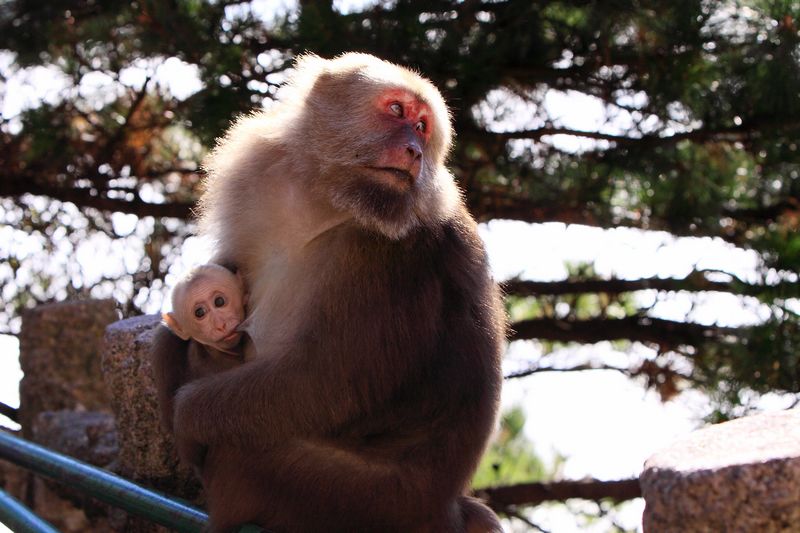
point(214, 308)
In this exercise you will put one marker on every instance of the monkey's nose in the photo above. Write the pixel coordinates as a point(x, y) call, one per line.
point(414, 152)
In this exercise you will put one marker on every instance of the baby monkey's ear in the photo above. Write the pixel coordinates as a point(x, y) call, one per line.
point(172, 323)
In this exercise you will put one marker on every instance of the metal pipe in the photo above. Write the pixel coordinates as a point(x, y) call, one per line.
point(19, 518)
point(102, 485)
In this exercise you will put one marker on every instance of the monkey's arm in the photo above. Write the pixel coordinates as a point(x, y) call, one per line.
point(168, 356)
point(265, 401)
point(349, 363)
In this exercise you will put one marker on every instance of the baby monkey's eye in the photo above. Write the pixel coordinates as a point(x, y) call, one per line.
point(421, 126)
point(397, 109)
point(219, 301)
point(200, 312)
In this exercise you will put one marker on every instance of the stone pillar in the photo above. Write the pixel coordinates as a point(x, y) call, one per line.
point(13, 479)
point(739, 476)
point(87, 436)
point(147, 454)
point(60, 357)
point(64, 404)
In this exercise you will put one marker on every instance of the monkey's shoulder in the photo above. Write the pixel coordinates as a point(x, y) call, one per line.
point(457, 247)
point(165, 345)
point(461, 232)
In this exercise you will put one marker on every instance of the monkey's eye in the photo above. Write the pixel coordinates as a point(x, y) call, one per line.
point(421, 126)
point(219, 301)
point(397, 109)
point(200, 312)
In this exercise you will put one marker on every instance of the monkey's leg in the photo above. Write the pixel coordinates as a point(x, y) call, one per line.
point(309, 487)
point(366, 494)
point(466, 515)
point(477, 517)
point(234, 486)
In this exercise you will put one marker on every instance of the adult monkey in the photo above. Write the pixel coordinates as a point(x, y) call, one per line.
point(376, 327)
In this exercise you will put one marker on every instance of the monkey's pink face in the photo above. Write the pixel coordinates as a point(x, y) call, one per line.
point(213, 309)
point(385, 158)
point(407, 123)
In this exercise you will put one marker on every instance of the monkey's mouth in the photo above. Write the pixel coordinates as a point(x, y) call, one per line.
point(394, 175)
point(232, 336)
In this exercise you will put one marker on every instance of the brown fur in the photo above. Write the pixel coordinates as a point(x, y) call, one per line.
point(176, 362)
point(376, 328)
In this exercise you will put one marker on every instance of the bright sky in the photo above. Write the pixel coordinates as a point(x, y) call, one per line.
point(605, 425)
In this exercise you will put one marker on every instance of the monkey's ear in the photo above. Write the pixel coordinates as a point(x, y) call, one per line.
point(172, 323)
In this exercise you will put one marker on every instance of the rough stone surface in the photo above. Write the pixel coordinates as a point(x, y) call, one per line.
point(67, 396)
point(87, 436)
point(147, 453)
point(740, 476)
point(60, 357)
point(13, 479)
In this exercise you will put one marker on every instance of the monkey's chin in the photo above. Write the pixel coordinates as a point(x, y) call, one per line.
point(380, 200)
point(230, 342)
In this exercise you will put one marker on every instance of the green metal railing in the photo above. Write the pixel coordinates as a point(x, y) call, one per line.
point(96, 482)
point(19, 518)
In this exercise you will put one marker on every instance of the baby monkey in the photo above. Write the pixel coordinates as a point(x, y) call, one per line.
point(201, 336)
point(208, 307)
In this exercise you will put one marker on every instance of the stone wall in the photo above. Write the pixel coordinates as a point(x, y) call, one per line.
point(88, 392)
point(59, 347)
point(64, 405)
point(89, 436)
point(147, 454)
point(740, 476)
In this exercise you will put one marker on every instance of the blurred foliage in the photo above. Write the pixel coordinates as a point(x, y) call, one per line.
point(510, 458)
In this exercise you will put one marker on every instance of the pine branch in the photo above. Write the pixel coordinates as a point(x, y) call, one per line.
point(576, 368)
point(496, 204)
point(9, 412)
point(754, 128)
point(696, 281)
point(536, 493)
point(82, 198)
point(633, 328)
point(490, 205)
